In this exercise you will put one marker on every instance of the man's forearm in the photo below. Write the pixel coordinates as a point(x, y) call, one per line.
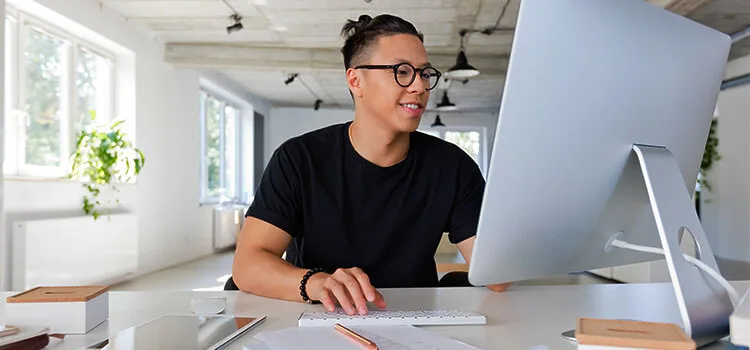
point(265, 274)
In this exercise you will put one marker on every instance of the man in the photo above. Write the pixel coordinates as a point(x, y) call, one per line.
point(364, 204)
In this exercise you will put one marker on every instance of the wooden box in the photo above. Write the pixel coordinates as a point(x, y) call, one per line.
point(66, 310)
point(592, 333)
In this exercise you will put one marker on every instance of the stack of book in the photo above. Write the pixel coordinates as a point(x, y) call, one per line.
point(26, 338)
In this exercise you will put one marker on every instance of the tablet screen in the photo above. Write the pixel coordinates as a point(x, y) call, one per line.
point(182, 332)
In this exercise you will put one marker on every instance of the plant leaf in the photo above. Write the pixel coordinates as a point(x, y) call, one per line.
point(103, 156)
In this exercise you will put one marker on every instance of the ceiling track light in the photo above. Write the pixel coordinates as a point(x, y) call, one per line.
point(318, 102)
point(237, 26)
point(290, 79)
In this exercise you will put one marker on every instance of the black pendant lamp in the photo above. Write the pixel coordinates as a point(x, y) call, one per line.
point(437, 122)
point(462, 69)
point(446, 104)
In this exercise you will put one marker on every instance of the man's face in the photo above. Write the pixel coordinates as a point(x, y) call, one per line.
point(397, 107)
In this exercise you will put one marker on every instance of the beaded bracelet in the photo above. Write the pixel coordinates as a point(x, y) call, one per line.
point(303, 283)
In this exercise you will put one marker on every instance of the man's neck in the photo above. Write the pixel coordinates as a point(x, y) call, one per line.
point(377, 144)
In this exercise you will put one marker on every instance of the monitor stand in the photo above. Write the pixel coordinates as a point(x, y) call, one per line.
point(703, 303)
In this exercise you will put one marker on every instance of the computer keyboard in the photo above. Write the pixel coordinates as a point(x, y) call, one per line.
point(393, 318)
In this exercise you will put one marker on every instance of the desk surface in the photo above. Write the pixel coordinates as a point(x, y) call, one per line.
point(519, 318)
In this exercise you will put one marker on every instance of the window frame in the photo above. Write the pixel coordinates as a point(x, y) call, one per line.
point(442, 130)
point(14, 164)
point(225, 102)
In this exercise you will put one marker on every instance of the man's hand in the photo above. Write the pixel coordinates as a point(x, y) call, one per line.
point(499, 287)
point(466, 247)
point(349, 288)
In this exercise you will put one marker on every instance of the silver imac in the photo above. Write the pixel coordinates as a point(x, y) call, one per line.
point(605, 113)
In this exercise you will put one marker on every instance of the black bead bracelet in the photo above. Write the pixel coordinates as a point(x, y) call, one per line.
point(303, 283)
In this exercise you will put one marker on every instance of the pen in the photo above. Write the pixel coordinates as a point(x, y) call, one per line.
point(360, 339)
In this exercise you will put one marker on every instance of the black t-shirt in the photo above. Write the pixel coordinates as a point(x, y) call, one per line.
point(343, 211)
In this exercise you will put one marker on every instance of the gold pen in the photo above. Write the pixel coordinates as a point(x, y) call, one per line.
point(358, 338)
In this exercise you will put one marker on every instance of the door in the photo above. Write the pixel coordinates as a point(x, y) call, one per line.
point(258, 149)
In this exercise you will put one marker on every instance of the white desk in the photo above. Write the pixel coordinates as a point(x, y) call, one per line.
point(520, 318)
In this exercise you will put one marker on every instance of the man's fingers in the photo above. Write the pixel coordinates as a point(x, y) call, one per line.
point(370, 292)
point(499, 287)
point(364, 282)
point(328, 302)
point(339, 291)
point(355, 291)
point(379, 301)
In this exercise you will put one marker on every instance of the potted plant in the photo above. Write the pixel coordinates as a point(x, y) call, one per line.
point(710, 156)
point(104, 157)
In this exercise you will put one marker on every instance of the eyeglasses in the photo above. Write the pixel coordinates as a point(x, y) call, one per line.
point(405, 73)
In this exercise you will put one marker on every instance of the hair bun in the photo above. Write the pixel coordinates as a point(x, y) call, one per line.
point(351, 27)
point(364, 20)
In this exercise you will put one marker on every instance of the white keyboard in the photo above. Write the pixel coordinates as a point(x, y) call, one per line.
point(393, 318)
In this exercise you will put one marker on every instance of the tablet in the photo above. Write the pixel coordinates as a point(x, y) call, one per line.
point(186, 332)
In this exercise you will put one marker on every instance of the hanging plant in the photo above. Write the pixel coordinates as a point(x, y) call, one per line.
point(103, 157)
point(710, 155)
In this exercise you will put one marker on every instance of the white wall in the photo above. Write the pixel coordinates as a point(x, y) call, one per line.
point(3, 246)
point(285, 123)
point(259, 105)
point(172, 226)
point(726, 215)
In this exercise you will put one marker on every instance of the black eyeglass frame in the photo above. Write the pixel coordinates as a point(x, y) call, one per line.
point(395, 68)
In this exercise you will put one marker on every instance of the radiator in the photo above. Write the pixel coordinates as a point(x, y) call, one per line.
point(74, 251)
point(228, 222)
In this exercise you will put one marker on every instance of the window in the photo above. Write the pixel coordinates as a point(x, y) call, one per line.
point(55, 85)
point(470, 139)
point(221, 171)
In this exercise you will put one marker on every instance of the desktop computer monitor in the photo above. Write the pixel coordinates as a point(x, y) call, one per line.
point(605, 114)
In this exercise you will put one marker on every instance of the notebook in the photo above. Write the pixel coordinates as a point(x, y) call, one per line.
point(386, 338)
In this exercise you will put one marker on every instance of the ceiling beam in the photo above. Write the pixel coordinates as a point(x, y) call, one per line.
point(680, 7)
point(298, 60)
point(686, 7)
point(466, 17)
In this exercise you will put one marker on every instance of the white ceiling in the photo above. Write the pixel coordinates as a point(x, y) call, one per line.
point(281, 37)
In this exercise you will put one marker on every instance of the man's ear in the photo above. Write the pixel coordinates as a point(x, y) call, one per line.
point(354, 81)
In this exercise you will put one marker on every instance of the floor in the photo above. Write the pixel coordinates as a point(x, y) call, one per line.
point(211, 272)
point(207, 273)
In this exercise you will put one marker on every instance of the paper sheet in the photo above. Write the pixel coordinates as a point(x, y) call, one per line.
point(386, 338)
point(259, 346)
